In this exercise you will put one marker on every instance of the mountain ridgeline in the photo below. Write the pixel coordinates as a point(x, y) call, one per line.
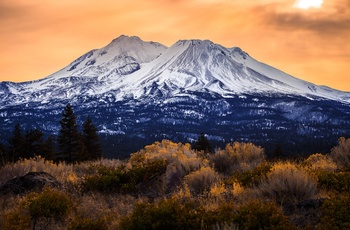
point(145, 91)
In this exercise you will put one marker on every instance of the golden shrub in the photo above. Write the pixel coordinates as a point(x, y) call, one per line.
point(237, 157)
point(322, 162)
point(60, 171)
point(288, 183)
point(341, 153)
point(181, 159)
point(15, 220)
point(201, 181)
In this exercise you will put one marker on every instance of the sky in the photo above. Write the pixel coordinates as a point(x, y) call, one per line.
point(308, 39)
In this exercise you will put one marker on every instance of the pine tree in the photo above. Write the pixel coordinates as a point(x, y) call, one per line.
point(202, 144)
point(3, 155)
point(48, 148)
point(277, 152)
point(91, 140)
point(69, 143)
point(33, 141)
point(16, 148)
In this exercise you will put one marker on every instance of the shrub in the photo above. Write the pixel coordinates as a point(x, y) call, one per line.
point(181, 160)
point(106, 180)
point(341, 153)
point(124, 180)
point(237, 157)
point(256, 214)
point(147, 171)
point(49, 204)
point(287, 183)
point(335, 213)
point(200, 181)
point(252, 177)
point(68, 174)
point(221, 217)
point(178, 155)
point(79, 223)
point(15, 220)
point(320, 162)
point(168, 214)
point(339, 182)
point(60, 171)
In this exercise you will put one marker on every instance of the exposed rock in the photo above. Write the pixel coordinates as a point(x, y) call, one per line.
point(32, 181)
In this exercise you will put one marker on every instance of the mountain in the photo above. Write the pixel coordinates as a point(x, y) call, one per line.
point(145, 90)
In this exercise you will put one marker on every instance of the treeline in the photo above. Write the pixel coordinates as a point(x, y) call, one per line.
point(70, 146)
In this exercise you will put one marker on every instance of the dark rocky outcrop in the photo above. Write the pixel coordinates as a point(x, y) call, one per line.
point(32, 181)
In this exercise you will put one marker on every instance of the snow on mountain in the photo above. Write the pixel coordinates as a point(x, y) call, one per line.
point(131, 68)
point(147, 91)
point(202, 66)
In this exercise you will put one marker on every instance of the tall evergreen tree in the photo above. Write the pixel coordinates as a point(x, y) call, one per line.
point(91, 140)
point(33, 142)
point(202, 144)
point(48, 148)
point(3, 155)
point(69, 143)
point(16, 142)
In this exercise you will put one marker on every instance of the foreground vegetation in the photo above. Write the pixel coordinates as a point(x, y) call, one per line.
point(169, 185)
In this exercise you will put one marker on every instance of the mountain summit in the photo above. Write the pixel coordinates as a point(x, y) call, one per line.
point(129, 66)
point(143, 88)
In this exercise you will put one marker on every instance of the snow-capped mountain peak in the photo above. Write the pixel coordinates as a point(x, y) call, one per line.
point(133, 46)
point(129, 66)
point(145, 90)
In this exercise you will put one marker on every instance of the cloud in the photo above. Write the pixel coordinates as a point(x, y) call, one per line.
point(15, 14)
point(332, 19)
point(8, 9)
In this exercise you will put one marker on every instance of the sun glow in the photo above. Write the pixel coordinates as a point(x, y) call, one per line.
point(306, 4)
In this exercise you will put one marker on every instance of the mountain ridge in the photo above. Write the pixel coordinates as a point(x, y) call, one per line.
point(147, 91)
point(128, 63)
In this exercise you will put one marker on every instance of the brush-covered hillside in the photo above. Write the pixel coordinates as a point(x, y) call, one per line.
point(169, 185)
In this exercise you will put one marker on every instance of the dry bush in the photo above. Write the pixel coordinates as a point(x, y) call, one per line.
point(256, 214)
point(91, 167)
point(237, 157)
point(288, 183)
point(15, 214)
point(61, 171)
point(96, 206)
point(201, 181)
point(70, 175)
point(251, 178)
point(318, 161)
point(341, 153)
point(181, 160)
point(335, 212)
point(79, 223)
point(178, 155)
point(218, 190)
point(15, 219)
point(47, 206)
point(12, 217)
point(165, 214)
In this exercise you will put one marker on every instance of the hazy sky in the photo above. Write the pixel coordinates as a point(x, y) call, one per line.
point(39, 37)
